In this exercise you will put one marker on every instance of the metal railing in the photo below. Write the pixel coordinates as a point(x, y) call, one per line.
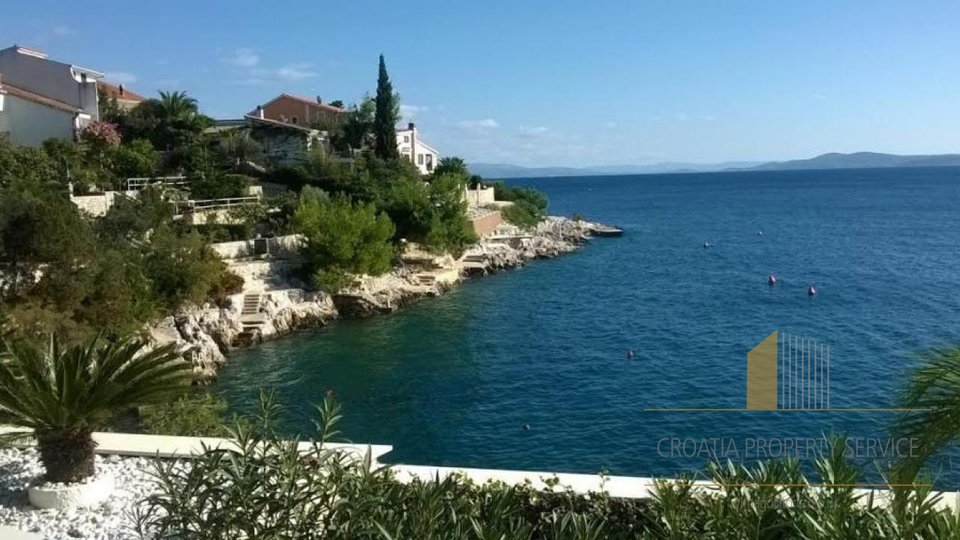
point(214, 204)
point(138, 183)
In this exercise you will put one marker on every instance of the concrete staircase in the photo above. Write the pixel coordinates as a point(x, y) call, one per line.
point(428, 280)
point(251, 304)
point(250, 317)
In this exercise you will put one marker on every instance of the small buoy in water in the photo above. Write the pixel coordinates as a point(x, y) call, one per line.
point(811, 290)
point(706, 245)
point(759, 233)
point(772, 280)
point(630, 354)
point(526, 427)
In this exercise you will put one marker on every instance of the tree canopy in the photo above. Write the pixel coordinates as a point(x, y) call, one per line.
point(385, 118)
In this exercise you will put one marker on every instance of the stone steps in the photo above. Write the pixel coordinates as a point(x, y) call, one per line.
point(251, 304)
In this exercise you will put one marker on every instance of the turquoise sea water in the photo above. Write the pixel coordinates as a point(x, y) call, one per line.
point(453, 380)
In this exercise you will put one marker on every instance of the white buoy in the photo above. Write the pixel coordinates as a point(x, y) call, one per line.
point(811, 290)
point(772, 280)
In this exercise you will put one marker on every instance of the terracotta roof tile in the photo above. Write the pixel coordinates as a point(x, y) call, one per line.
point(113, 91)
point(313, 102)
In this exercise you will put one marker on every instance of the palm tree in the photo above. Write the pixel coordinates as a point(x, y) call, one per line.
point(65, 394)
point(178, 105)
point(934, 395)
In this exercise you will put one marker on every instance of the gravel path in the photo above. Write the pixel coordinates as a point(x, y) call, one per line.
point(111, 520)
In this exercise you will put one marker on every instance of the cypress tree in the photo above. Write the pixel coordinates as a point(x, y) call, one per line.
point(384, 121)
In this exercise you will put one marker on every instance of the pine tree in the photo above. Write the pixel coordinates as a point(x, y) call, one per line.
point(384, 130)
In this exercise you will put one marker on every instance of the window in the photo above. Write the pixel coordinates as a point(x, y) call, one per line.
point(406, 138)
point(429, 162)
point(419, 159)
point(293, 120)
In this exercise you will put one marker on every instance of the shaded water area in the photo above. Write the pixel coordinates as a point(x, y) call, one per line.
point(453, 380)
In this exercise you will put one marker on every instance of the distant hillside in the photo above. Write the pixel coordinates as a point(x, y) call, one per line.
point(503, 170)
point(857, 160)
point(860, 160)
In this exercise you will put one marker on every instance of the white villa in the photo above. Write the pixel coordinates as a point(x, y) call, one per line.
point(424, 156)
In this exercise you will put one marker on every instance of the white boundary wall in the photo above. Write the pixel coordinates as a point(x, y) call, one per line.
point(277, 246)
point(631, 487)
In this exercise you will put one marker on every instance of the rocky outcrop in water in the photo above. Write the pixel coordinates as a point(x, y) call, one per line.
point(552, 237)
point(204, 335)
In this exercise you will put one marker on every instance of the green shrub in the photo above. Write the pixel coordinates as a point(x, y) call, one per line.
point(522, 214)
point(182, 267)
point(194, 414)
point(536, 198)
point(220, 186)
point(229, 284)
point(529, 205)
point(343, 238)
point(267, 488)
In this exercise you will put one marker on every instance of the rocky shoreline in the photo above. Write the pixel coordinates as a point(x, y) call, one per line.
point(204, 335)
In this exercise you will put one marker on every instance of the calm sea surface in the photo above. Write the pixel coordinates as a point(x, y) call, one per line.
point(453, 380)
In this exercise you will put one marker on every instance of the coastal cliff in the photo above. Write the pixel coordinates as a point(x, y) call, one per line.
point(204, 335)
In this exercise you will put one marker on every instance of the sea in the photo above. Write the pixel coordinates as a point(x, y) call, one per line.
point(630, 356)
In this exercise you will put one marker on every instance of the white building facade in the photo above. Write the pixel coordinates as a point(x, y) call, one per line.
point(43, 98)
point(411, 147)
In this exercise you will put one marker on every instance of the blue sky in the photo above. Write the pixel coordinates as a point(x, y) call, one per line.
point(553, 82)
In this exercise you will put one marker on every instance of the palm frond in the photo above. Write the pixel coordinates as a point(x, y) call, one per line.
point(83, 387)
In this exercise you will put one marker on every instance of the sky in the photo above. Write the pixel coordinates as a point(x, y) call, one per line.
point(552, 82)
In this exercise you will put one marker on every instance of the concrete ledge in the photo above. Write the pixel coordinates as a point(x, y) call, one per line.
point(167, 446)
point(627, 487)
point(630, 487)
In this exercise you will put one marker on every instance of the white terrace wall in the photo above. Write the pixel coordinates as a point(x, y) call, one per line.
point(277, 246)
point(480, 196)
point(98, 205)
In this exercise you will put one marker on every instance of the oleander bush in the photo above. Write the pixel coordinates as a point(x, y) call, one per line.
point(268, 488)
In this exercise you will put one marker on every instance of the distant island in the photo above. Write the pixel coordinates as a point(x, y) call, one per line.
point(833, 160)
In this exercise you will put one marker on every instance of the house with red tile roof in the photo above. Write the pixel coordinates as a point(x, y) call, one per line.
point(298, 110)
point(125, 99)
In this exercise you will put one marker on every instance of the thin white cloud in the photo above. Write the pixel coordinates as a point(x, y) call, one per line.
point(708, 118)
point(62, 30)
point(610, 125)
point(122, 77)
point(296, 72)
point(408, 112)
point(819, 96)
point(534, 130)
point(244, 57)
point(478, 125)
point(249, 81)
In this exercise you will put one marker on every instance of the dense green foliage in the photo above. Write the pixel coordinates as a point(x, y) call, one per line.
point(64, 394)
point(196, 413)
point(385, 117)
point(343, 238)
point(66, 273)
point(268, 488)
point(529, 205)
point(430, 212)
